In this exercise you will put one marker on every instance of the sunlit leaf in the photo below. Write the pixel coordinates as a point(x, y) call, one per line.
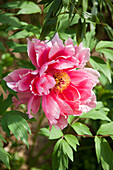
point(98, 147)
point(17, 125)
point(106, 129)
point(1, 138)
point(67, 149)
point(4, 157)
point(72, 141)
point(28, 7)
point(81, 129)
point(104, 47)
point(93, 114)
point(44, 132)
point(55, 133)
point(100, 65)
point(21, 34)
point(106, 155)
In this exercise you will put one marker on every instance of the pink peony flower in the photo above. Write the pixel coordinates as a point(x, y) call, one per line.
point(60, 79)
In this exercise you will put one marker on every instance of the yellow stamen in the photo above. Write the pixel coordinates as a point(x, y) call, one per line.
point(62, 81)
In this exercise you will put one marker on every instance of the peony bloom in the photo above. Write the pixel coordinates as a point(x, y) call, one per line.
point(59, 79)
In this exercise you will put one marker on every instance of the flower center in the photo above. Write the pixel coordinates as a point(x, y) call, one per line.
point(62, 81)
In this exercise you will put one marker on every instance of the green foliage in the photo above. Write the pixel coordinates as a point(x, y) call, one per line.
point(51, 134)
point(4, 104)
point(26, 7)
point(106, 129)
point(4, 156)
point(16, 124)
point(72, 140)
point(104, 153)
point(81, 129)
point(99, 64)
point(104, 47)
point(89, 40)
point(62, 151)
point(97, 113)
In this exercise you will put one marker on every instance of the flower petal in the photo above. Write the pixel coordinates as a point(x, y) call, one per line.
point(33, 104)
point(82, 54)
point(64, 107)
point(61, 122)
point(31, 52)
point(15, 76)
point(51, 108)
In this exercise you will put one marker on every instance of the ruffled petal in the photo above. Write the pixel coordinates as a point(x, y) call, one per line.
point(61, 122)
point(32, 53)
point(14, 77)
point(89, 104)
point(23, 98)
point(33, 104)
point(82, 54)
point(64, 107)
point(42, 85)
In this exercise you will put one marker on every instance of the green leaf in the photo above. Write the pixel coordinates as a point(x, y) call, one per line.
point(75, 19)
point(85, 5)
point(20, 49)
point(80, 31)
point(90, 17)
point(103, 47)
point(1, 138)
point(4, 157)
point(4, 125)
point(63, 22)
point(106, 129)
point(89, 40)
point(106, 155)
point(11, 5)
point(81, 129)
point(49, 25)
point(55, 133)
point(65, 3)
point(21, 34)
point(55, 159)
point(93, 114)
point(2, 47)
point(17, 124)
point(5, 87)
point(70, 118)
point(6, 18)
point(98, 147)
point(28, 7)
point(63, 160)
point(109, 31)
point(4, 104)
point(44, 132)
point(72, 140)
point(24, 115)
point(104, 44)
point(99, 64)
point(67, 149)
point(56, 6)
